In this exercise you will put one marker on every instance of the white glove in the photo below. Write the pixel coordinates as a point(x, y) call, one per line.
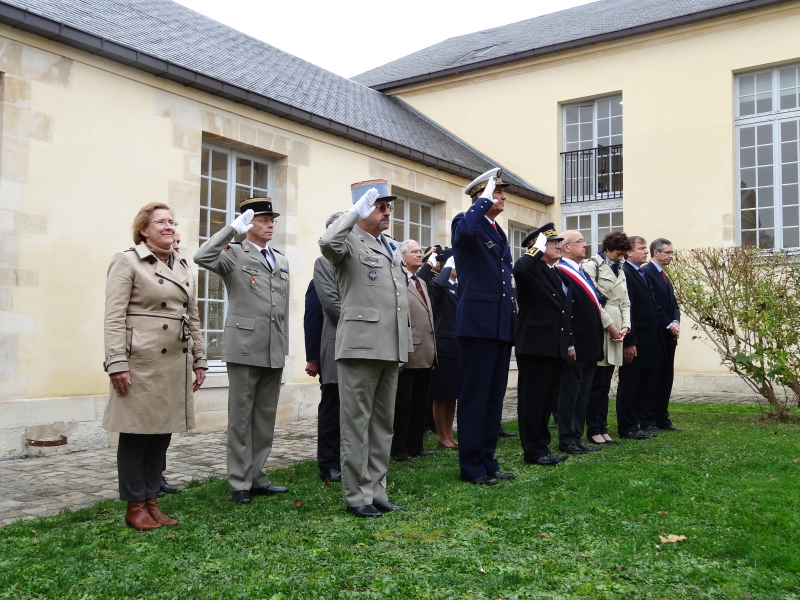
point(540, 242)
point(488, 192)
point(242, 224)
point(450, 263)
point(365, 204)
point(432, 259)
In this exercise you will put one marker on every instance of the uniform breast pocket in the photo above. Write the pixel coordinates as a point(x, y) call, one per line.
point(358, 327)
point(371, 269)
point(252, 277)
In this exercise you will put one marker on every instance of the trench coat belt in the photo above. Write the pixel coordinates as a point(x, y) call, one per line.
point(184, 333)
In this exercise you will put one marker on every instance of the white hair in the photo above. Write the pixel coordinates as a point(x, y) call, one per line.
point(404, 246)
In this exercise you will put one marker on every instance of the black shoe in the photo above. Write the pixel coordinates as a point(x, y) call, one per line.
point(636, 435)
point(387, 506)
point(427, 453)
point(455, 447)
point(241, 497)
point(589, 448)
point(364, 511)
point(166, 488)
point(671, 427)
point(651, 428)
point(607, 443)
point(483, 480)
point(401, 458)
point(506, 434)
point(331, 475)
point(572, 449)
point(503, 475)
point(550, 460)
point(269, 490)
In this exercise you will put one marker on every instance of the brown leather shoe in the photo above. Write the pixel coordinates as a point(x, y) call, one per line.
point(138, 517)
point(155, 511)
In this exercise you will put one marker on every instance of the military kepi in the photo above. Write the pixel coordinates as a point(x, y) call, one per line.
point(360, 188)
point(259, 205)
point(549, 231)
point(477, 185)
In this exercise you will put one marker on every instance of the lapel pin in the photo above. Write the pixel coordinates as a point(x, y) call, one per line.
point(252, 282)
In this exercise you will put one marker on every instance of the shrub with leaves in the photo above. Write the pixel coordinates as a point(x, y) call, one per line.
point(746, 302)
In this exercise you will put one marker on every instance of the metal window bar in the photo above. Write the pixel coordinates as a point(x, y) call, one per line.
point(592, 174)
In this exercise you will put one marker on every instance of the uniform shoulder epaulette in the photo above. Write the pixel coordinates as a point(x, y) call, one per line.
point(131, 249)
point(532, 251)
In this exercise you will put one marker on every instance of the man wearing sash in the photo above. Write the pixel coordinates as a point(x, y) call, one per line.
point(589, 319)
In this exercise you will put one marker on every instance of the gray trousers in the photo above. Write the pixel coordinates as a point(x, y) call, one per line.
point(367, 391)
point(252, 403)
point(140, 457)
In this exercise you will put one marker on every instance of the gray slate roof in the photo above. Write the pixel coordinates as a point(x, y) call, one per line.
point(170, 40)
point(579, 26)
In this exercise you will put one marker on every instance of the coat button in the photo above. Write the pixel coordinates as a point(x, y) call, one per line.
point(163, 351)
point(237, 324)
point(185, 305)
point(359, 316)
point(504, 295)
point(185, 350)
point(187, 284)
point(562, 312)
point(272, 319)
point(273, 304)
point(398, 310)
point(273, 275)
point(562, 329)
point(160, 281)
point(273, 289)
point(502, 270)
point(398, 293)
point(164, 326)
point(163, 304)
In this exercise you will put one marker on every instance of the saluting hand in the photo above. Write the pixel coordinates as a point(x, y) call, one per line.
point(541, 242)
point(450, 263)
point(488, 192)
point(242, 224)
point(365, 204)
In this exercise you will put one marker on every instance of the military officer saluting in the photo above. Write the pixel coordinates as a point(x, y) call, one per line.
point(373, 335)
point(255, 342)
point(484, 327)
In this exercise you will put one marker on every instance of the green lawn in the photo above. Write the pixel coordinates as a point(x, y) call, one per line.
point(588, 528)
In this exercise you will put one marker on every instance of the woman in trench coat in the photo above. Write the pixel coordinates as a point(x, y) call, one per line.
point(154, 349)
point(605, 271)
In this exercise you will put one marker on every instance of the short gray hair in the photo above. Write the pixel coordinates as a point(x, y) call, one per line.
point(404, 246)
point(658, 244)
point(332, 218)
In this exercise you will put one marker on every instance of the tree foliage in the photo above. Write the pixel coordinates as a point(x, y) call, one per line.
point(746, 302)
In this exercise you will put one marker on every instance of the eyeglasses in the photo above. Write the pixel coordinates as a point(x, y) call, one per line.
point(384, 208)
point(164, 222)
point(417, 251)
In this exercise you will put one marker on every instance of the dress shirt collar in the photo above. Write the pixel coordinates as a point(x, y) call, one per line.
point(657, 266)
point(571, 263)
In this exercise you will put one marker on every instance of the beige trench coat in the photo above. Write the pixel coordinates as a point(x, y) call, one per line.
point(152, 329)
point(618, 306)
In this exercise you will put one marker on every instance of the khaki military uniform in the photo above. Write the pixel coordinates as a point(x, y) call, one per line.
point(151, 330)
point(254, 347)
point(372, 337)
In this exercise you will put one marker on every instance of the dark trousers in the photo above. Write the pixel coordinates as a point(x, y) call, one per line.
point(140, 459)
point(166, 447)
point(483, 373)
point(328, 435)
point(410, 411)
point(597, 411)
point(538, 382)
point(634, 383)
point(656, 407)
point(573, 399)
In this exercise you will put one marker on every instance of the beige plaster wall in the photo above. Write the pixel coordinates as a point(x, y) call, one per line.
point(84, 144)
point(678, 130)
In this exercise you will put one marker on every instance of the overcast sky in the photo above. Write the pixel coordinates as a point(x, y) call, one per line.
point(349, 37)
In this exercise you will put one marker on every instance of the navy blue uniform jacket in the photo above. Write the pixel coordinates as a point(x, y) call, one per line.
point(665, 296)
point(312, 324)
point(587, 326)
point(647, 321)
point(544, 322)
point(483, 259)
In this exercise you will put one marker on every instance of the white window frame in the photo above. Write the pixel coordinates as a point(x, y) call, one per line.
point(405, 218)
point(774, 117)
point(593, 210)
point(594, 102)
point(217, 365)
point(523, 231)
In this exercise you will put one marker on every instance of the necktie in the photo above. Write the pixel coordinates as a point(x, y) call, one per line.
point(664, 275)
point(494, 225)
point(641, 272)
point(268, 256)
point(419, 289)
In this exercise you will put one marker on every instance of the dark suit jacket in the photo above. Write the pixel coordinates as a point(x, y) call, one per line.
point(544, 322)
point(444, 299)
point(665, 296)
point(312, 324)
point(425, 273)
point(483, 259)
point(647, 320)
point(587, 326)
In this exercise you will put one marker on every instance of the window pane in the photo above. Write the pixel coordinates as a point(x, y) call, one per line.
point(788, 99)
point(425, 237)
point(603, 219)
point(219, 195)
point(413, 213)
point(398, 230)
point(765, 197)
point(243, 167)
point(788, 131)
point(586, 132)
point(764, 82)
point(748, 238)
point(616, 219)
point(747, 106)
point(203, 224)
point(764, 134)
point(765, 176)
point(242, 194)
point(764, 155)
point(426, 216)
point(616, 107)
point(215, 316)
point(748, 219)
point(747, 85)
point(791, 237)
point(217, 222)
point(789, 173)
point(219, 165)
point(763, 103)
point(204, 161)
point(789, 195)
point(413, 231)
point(586, 114)
point(766, 218)
point(790, 216)
point(216, 287)
point(747, 157)
point(572, 222)
point(201, 309)
point(400, 209)
point(748, 177)
point(203, 192)
point(602, 109)
point(766, 238)
point(748, 199)
point(260, 173)
point(602, 128)
point(747, 136)
point(571, 115)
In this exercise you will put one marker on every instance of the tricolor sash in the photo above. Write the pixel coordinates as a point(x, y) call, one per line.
point(582, 283)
